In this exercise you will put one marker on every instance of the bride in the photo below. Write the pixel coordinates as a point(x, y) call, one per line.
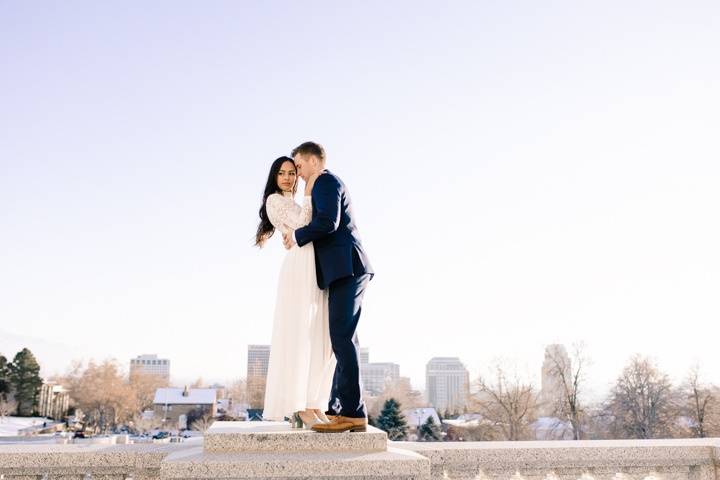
point(301, 367)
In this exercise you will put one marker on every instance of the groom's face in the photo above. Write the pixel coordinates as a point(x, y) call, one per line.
point(307, 165)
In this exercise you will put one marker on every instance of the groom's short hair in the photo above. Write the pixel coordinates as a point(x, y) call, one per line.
point(310, 148)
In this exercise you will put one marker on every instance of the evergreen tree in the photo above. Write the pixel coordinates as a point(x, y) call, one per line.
point(429, 431)
point(26, 382)
point(4, 380)
point(392, 421)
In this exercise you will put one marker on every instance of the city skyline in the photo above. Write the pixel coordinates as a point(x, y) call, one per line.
point(522, 175)
point(536, 373)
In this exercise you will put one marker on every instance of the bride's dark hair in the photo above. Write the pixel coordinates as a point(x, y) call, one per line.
point(265, 230)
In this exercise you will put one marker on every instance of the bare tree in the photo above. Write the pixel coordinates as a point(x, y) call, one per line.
point(642, 403)
point(202, 423)
point(401, 391)
point(103, 393)
point(256, 391)
point(714, 414)
point(144, 385)
point(700, 405)
point(236, 395)
point(598, 422)
point(570, 371)
point(142, 424)
point(508, 402)
point(237, 392)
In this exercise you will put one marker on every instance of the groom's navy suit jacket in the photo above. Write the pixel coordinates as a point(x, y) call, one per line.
point(338, 251)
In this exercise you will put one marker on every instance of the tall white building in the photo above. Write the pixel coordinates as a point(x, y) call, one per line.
point(556, 366)
point(447, 383)
point(258, 360)
point(364, 355)
point(257, 369)
point(151, 364)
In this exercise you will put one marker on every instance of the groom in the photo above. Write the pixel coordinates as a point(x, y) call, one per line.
point(343, 268)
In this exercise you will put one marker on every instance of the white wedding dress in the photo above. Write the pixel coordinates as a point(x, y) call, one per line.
point(302, 363)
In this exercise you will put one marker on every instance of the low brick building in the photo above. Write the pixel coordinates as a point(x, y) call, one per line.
point(179, 407)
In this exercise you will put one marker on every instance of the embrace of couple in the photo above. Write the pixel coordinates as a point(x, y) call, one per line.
point(314, 368)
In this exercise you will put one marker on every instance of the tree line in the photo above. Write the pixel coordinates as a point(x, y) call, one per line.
point(643, 403)
point(105, 394)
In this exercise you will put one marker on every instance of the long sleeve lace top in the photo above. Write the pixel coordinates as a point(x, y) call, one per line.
point(285, 214)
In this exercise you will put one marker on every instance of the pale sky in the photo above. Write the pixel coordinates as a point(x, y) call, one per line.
point(522, 174)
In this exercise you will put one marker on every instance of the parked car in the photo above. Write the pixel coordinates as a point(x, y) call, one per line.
point(79, 434)
point(161, 435)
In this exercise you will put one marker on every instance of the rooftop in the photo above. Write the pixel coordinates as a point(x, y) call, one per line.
point(175, 396)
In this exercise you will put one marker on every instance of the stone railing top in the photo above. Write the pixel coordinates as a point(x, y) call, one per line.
point(687, 459)
point(574, 453)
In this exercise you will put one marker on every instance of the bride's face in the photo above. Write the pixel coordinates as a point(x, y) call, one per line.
point(287, 177)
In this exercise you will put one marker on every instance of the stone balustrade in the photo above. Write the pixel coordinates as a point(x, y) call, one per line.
point(686, 459)
point(251, 450)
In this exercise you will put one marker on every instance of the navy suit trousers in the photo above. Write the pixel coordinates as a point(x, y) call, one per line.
point(345, 305)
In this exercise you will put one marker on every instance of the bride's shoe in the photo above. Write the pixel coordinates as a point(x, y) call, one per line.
point(296, 421)
point(309, 419)
point(321, 415)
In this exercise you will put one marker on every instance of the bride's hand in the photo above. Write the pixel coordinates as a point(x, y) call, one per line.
point(310, 183)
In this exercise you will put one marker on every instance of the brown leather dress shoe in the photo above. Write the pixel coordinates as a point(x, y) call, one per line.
point(342, 424)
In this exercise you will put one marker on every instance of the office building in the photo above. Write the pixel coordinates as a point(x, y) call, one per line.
point(447, 384)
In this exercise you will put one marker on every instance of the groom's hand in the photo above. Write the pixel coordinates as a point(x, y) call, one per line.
point(289, 239)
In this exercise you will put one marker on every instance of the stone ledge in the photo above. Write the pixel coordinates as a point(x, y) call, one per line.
point(603, 459)
point(142, 461)
point(393, 463)
point(560, 460)
point(575, 453)
point(279, 437)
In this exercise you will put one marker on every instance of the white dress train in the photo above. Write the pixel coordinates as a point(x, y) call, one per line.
point(302, 363)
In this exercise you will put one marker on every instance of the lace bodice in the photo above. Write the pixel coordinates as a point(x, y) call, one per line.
point(285, 214)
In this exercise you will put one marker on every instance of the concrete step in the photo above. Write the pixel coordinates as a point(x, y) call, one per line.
point(195, 463)
point(279, 437)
